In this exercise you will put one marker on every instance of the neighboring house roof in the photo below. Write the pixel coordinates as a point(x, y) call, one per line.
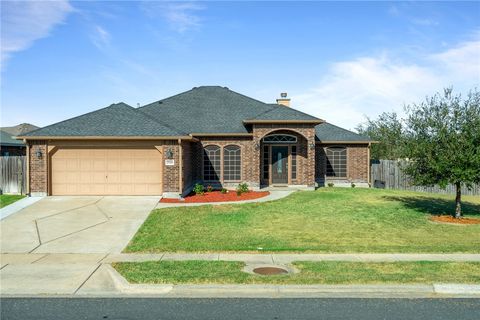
point(19, 129)
point(116, 120)
point(214, 109)
point(327, 132)
point(7, 140)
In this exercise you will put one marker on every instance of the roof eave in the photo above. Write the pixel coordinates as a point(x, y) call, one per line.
point(230, 134)
point(345, 141)
point(187, 137)
point(315, 121)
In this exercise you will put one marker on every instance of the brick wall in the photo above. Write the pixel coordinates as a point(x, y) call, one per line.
point(306, 156)
point(357, 162)
point(38, 168)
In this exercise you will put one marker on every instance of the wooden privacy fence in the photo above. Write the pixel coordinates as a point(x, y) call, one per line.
point(13, 172)
point(388, 174)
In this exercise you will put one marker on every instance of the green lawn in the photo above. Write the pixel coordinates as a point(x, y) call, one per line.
point(330, 272)
point(326, 220)
point(6, 199)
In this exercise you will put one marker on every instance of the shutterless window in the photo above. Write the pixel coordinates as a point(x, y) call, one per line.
point(336, 162)
point(232, 163)
point(294, 162)
point(211, 163)
point(266, 161)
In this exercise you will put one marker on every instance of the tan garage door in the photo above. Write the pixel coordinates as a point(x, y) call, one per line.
point(119, 171)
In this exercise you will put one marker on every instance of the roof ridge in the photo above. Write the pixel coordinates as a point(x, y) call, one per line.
point(76, 117)
point(148, 104)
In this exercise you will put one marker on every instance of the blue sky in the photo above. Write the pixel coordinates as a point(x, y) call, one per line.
point(339, 61)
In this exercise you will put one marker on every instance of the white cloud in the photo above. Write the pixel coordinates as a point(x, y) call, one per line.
point(23, 22)
point(181, 16)
point(101, 38)
point(370, 85)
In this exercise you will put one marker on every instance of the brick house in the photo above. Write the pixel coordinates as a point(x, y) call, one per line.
point(209, 135)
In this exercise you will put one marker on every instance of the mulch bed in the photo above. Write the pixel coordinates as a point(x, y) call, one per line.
point(217, 196)
point(450, 219)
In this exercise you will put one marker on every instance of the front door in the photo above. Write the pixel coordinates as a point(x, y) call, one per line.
point(279, 165)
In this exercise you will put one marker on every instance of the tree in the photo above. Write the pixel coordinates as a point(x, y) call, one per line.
point(443, 142)
point(388, 131)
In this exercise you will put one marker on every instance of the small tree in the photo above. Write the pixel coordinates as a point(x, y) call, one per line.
point(443, 142)
point(388, 131)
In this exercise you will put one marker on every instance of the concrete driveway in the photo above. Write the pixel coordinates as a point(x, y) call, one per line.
point(75, 224)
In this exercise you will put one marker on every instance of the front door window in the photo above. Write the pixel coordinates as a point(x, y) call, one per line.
point(279, 164)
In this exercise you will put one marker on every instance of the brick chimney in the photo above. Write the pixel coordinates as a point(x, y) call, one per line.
point(284, 100)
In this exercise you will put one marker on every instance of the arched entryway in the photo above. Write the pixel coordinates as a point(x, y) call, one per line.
point(282, 153)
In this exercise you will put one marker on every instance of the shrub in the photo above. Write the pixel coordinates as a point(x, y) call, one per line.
point(209, 188)
point(242, 187)
point(330, 184)
point(353, 185)
point(199, 189)
point(224, 191)
point(239, 193)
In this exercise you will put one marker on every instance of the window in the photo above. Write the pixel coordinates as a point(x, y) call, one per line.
point(294, 162)
point(211, 163)
point(266, 162)
point(232, 163)
point(336, 162)
point(280, 138)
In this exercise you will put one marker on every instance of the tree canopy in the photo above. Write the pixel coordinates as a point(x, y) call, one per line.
point(439, 138)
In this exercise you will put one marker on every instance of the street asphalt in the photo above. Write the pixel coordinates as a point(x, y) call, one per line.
point(250, 309)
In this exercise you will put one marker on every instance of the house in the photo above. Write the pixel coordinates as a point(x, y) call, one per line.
point(10, 146)
point(209, 134)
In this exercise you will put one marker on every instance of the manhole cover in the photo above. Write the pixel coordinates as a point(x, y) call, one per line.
point(268, 271)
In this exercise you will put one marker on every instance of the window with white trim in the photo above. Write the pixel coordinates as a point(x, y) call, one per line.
point(336, 162)
point(232, 163)
point(280, 138)
point(211, 163)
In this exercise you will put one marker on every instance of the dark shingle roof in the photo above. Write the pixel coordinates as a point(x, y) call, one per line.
point(213, 109)
point(281, 112)
point(331, 133)
point(202, 110)
point(7, 140)
point(116, 120)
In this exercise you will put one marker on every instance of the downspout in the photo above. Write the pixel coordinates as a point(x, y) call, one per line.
point(368, 164)
point(180, 163)
point(28, 167)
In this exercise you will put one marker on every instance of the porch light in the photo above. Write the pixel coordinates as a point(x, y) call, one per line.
point(39, 154)
point(311, 145)
point(169, 153)
point(257, 146)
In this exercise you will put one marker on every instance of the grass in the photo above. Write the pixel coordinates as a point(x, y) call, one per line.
point(228, 272)
point(6, 199)
point(326, 220)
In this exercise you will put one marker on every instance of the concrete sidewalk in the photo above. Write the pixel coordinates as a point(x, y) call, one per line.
point(104, 281)
point(275, 258)
point(92, 275)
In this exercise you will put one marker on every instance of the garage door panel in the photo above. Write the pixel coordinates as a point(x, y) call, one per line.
point(120, 171)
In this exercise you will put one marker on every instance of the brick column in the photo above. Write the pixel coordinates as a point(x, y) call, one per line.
point(38, 167)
